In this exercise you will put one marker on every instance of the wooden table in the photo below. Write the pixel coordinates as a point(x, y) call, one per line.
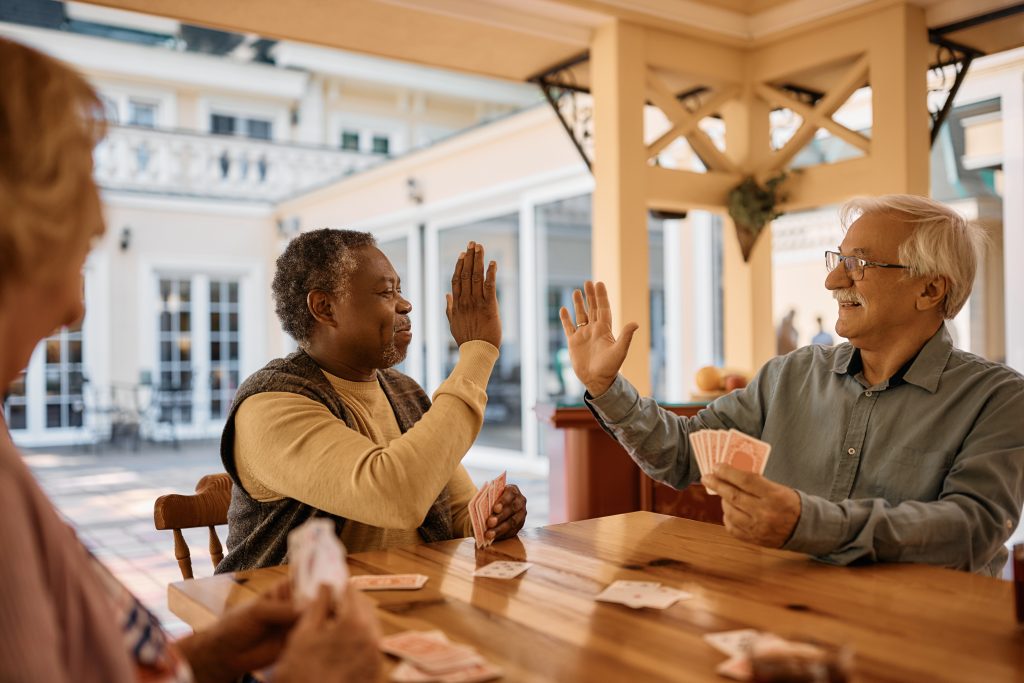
point(905, 622)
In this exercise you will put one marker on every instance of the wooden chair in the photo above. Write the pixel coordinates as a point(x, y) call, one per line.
point(207, 507)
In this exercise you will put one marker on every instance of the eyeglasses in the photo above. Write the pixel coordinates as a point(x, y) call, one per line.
point(854, 264)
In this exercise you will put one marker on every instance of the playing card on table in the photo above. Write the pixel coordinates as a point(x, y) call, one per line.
point(732, 643)
point(315, 557)
point(502, 569)
point(638, 594)
point(482, 506)
point(430, 651)
point(737, 668)
point(388, 582)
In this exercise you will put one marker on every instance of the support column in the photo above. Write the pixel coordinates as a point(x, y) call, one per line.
point(898, 73)
point(749, 329)
point(619, 221)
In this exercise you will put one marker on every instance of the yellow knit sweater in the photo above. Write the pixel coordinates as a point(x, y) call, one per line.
point(382, 481)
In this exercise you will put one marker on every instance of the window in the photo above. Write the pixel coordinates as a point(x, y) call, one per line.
point(224, 333)
point(259, 129)
point(15, 408)
point(222, 125)
point(381, 144)
point(110, 109)
point(500, 236)
point(226, 124)
point(142, 113)
point(173, 391)
point(63, 374)
point(350, 140)
point(397, 251)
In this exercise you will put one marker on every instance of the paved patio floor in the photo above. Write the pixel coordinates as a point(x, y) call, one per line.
point(108, 497)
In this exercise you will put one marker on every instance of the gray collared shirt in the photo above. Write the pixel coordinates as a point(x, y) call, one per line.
point(926, 468)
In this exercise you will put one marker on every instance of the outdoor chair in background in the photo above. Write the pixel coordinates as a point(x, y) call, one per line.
point(208, 507)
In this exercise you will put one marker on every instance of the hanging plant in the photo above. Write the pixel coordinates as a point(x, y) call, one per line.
point(752, 207)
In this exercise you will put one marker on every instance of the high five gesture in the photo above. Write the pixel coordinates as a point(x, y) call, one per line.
point(595, 352)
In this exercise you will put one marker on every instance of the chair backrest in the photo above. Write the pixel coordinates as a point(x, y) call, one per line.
point(207, 507)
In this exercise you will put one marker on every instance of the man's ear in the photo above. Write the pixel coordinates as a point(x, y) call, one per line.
point(933, 293)
point(321, 307)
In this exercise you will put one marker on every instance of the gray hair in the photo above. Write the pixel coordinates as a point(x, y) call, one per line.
point(943, 243)
point(317, 260)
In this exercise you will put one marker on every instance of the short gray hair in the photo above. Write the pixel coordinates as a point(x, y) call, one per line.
point(943, 242)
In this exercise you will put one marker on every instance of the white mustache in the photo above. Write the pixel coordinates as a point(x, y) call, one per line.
point(847, 296)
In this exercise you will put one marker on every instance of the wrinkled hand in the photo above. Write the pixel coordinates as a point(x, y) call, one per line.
point(596, 354)
point(473, 303)
point(509, 514)
point(755, 509)
point(332, 642)
point(247, 638)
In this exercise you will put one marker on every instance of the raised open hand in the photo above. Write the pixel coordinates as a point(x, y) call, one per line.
point(473, 303)
point(595, 352)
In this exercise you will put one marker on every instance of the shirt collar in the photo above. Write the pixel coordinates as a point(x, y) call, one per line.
point(923, 370)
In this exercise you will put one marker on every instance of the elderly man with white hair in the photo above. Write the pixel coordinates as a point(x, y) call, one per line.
point(892, 447)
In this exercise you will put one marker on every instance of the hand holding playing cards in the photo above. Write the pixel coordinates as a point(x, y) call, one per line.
point(755, 509)
point(333, 641)
point(247, 638)
point(508, 515)
point(595, 352)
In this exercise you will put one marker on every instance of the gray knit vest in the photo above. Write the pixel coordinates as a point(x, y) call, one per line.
point(258, 532)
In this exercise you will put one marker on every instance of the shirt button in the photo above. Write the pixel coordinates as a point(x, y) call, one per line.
point(867, 393)
point(852, 451)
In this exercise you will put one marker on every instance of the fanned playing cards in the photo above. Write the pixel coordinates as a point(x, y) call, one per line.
point(315, 557)
point(482, 507)
point(714, 446)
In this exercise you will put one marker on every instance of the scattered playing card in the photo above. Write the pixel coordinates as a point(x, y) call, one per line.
point(482, 506)
point(315, 557)
point(503, 570)
point(737, 668)
point(388, 582)
point(430, 656)
point(430, 651)
point(732, 643)
point(638, 594)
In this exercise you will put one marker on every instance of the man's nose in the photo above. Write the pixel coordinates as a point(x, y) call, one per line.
point(404, 305)
point(838, 278)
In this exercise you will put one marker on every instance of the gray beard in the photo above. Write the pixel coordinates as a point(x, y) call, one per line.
point(392, 356)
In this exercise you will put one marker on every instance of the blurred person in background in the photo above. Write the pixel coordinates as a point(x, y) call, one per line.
point(63, 616)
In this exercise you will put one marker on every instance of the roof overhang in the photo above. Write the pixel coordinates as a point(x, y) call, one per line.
point(518, 39)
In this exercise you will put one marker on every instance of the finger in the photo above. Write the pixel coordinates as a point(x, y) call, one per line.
point(602, 305)
point(478, 272)
point(579, 307)
point(751, 483)
point(567, 326)
point(509, 527)
point(591, 294)
point(626, 336)
point(316, 612)
point(457, 276)
point(449, 301)
point(491, 282)
point(271, 611)
point(465, 294)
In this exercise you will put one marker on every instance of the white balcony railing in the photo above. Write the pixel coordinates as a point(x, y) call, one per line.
point(214, 166)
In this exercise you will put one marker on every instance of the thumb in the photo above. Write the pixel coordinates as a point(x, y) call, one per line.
point(317, 611)
point(626, 336)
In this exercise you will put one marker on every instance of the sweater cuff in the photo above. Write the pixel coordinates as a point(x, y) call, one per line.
point(820, 527)
point(476, 362)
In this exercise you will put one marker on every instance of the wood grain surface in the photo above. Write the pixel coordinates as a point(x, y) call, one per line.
point(904, 622)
